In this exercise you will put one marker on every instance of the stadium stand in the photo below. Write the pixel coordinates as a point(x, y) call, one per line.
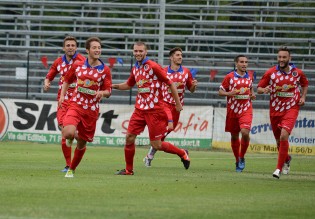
point(211, 34)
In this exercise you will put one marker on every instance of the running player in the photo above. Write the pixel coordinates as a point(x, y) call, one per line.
point(283, 83)
point(237, 86)
point(61, 66)
point(183, 79)
point(149, 107)
point(94, 81)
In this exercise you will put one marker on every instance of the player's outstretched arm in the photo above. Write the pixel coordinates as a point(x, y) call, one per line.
point(121, 86)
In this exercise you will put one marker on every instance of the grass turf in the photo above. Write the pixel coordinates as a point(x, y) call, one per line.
point(32, 185)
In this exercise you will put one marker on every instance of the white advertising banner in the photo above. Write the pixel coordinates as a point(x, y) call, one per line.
point(34, 120)
point(301, 140)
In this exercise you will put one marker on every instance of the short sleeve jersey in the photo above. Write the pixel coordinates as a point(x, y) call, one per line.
point(182, 79)
point(61, 66)
point(89, 80)
point(241, 102)
point(285, 92)
point(149, 77)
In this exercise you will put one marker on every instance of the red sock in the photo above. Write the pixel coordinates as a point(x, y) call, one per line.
point(77, 157)
point(129, 155)
point(171, 149)
point(244, 146)
point(235, 144)
point(283, 153)
point(66, 151)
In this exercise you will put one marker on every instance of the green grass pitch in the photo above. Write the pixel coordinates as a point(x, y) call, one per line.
point(32, 185)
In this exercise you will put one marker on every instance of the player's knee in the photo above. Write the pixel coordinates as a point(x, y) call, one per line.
point(130, 138)
point(67, 134)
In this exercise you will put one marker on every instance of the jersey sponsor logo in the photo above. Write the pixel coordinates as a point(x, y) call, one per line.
point(178, 91)
point(285, 94)
point(242, 90)
point(144, 90)
point(72, 85)
point(86, 91)
point(141, 82)
point(241, 97)
point(285, 87)
point(86, 82)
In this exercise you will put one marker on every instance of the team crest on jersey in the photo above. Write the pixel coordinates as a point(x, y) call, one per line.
point(146, 67)
point(294, 74)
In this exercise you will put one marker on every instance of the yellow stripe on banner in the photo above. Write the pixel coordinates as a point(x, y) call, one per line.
point(264, 148)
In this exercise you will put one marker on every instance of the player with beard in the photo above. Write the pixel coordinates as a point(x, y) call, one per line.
point(183, 79)
point(149, 107)
point(237, 86)
point(283, 83)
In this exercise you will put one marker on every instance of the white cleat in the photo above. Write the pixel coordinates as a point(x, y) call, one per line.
point(70, 173)
point(147, 161)
point(277, 173)
point(286, 167)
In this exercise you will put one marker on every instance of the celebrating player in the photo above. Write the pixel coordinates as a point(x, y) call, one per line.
point(149, 109)
point(237, 86)
point(283, 82)
point(94, 81)
point(61, 66)
point(182, 78)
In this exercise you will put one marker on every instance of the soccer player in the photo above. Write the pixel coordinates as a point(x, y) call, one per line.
point(149, 107)
point(94, 81)
point(182, 78)
point(283, 83)
point(237, 86)
point(61, 66)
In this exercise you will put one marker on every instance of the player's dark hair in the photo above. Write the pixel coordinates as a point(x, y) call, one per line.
point(91, 39)
point(284, 48)
point(67, 38)
point(175, 49)
point(140, 43)
point(238, 57)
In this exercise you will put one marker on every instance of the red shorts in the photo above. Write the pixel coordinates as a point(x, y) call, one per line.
point(287, 122)
point(234, 125)
point(61, 112)
point(84, 120)
point(172, 113)
point(156, 120)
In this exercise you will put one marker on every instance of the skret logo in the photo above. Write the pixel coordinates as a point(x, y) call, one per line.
point(27, 111)
point(4, 119)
